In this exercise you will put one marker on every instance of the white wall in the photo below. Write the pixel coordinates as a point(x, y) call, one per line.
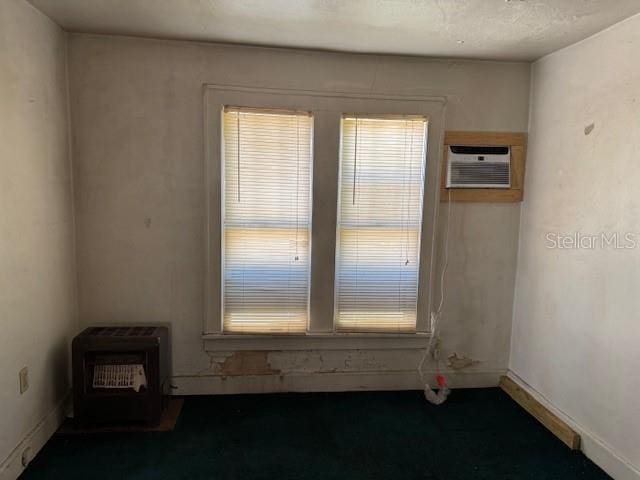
point(37, 266)
point(138, 167)
point(576, 329)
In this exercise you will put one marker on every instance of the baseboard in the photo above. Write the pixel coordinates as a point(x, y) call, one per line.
point(546, 417)
point(323, 382)
point(11, 468)
point(596, 449)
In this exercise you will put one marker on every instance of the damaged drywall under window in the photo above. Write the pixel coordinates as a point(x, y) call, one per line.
point(306, 361)
point(261, 362)
point(456, 362)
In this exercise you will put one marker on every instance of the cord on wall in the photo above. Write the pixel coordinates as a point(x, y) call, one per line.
point(437, 397)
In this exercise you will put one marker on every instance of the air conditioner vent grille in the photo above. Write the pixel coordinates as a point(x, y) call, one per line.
point(479, 167)
point(480, 174)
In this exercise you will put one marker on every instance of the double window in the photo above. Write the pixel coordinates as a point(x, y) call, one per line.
point(363, 173)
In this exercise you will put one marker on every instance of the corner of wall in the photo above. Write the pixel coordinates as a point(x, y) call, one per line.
point(32, 443)
point(70, 150)
point(522, 204)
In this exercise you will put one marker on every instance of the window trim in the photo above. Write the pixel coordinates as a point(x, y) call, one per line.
point(315, 341)
point(327, 109)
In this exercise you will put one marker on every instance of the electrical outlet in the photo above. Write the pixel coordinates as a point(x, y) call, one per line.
point(24, 379)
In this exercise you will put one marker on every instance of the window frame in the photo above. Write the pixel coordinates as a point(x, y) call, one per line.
point(421, 118)
point(224, 225)
point(327, 109)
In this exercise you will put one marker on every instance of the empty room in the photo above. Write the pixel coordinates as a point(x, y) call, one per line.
point(319, 239)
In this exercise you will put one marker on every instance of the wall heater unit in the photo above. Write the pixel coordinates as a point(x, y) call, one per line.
point(120, 374)
point(478, 167)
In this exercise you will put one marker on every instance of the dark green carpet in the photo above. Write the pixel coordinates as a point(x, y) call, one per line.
point(476, 434)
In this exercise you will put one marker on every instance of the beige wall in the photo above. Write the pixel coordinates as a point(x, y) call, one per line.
point(576, 329)
point(37, 266)
point(138, 166)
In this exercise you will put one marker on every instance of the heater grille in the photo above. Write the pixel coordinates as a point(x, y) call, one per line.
point(122, 331)
point(120, 373)
point(119, 376)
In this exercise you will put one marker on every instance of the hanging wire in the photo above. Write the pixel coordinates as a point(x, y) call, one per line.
point(432, 344)
point(238, 180)
point(296, 258)
point(355, 162)
point(409, 199)
point(405, 219)
point(238, 151)
point(403, 225)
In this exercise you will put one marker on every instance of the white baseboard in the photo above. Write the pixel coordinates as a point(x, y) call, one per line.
point(11, 468)
point(323, 382)
point(596, 449)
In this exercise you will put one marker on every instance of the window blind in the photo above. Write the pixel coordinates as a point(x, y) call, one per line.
point(267, 203)
point(379, 220)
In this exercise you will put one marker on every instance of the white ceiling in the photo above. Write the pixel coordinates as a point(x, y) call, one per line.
point(492, 29)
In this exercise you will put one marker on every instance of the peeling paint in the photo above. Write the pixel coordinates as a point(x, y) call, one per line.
point(246, 363)
point(300, 361)
point(361, 360)
point(458, 363)
point(280, 363)
point(215, 359)
point(310, 361)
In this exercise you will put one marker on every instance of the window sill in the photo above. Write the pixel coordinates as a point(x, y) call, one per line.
point(316, 341)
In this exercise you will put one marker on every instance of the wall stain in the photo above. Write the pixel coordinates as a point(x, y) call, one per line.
point(247, 363)
point(458, 363)
point(259, 362)
point(589, 128)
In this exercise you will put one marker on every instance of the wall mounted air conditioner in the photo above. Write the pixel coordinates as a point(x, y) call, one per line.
point(479, 167)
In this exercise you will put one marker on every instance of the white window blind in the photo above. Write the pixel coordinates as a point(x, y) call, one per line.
point(267, 203)
point(379, 220)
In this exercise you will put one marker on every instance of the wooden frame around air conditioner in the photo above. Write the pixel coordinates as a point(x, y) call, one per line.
point(516, 140)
